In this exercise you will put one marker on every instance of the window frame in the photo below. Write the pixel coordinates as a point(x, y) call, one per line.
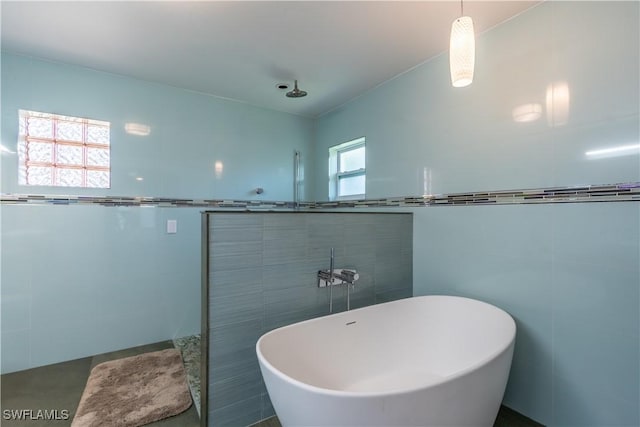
point(335, 175)
point(84, 143)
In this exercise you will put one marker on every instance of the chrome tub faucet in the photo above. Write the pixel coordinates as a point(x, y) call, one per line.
point(334, 277)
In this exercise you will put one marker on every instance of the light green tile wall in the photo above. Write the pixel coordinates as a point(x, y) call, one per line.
point(569, 274)
point(83, 280)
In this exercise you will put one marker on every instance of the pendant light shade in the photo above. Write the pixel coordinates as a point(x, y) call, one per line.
point(462, 52)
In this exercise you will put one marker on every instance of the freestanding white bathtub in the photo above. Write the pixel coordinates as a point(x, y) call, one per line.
point(422, 361)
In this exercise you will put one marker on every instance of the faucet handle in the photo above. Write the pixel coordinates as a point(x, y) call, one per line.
point(349, 275)
point(325, 278)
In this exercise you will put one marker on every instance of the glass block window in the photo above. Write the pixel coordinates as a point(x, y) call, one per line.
point(347, 170)
point(62, 151)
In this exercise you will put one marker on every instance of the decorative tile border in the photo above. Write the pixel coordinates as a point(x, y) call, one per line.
point(160, 202)
point(625, 192)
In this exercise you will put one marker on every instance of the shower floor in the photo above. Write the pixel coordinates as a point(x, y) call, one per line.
point(190, 349)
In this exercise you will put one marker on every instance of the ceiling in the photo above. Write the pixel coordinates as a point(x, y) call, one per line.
point(241, 49)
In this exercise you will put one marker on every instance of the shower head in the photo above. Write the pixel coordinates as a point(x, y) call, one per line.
point(296, 93)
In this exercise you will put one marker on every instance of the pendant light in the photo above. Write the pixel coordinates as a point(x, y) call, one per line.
point(462, 50)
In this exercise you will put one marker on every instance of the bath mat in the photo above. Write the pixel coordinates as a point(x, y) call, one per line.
point(190, 349)
point(134, 391)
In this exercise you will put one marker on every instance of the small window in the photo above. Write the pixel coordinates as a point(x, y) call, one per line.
point(347, 170)
point(63, 151)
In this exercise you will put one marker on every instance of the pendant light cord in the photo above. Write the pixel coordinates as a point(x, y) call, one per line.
point(461, 8)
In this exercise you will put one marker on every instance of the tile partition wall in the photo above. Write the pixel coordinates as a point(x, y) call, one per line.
point(259, 273)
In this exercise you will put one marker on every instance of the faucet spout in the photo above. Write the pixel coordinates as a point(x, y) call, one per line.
point(337, 276)
point(347, 276)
